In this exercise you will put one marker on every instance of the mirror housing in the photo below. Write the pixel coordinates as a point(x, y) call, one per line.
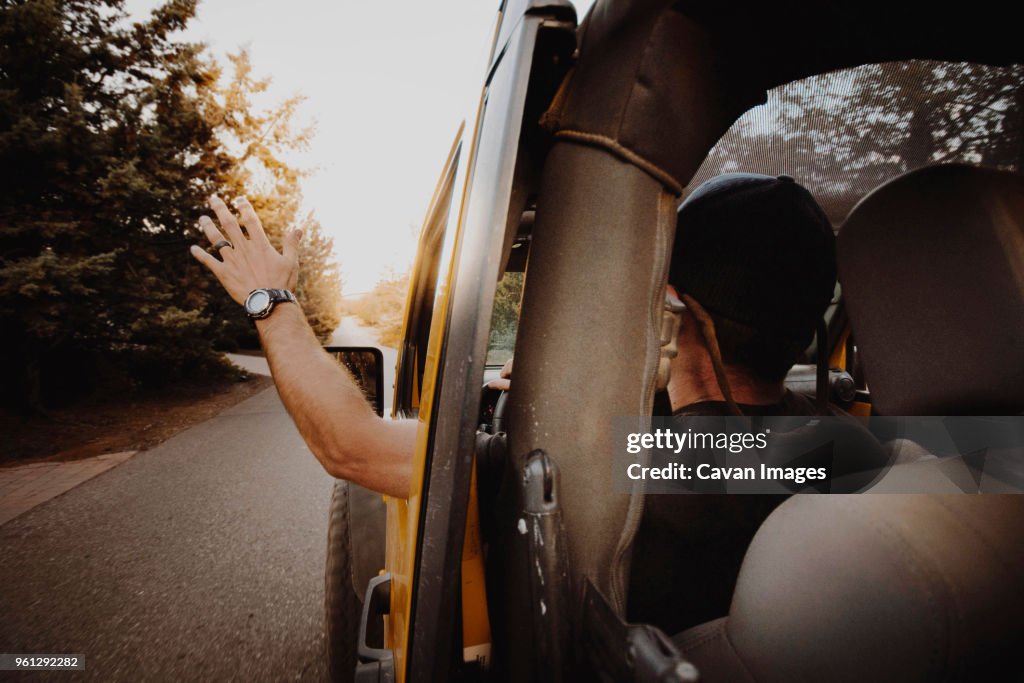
point(366, 366)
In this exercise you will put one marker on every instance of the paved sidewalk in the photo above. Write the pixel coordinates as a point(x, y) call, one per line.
point(22, 488)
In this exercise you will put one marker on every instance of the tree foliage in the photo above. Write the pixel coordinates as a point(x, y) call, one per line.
point(382, 308)
point(112, 135)
point(844, 133)
point(505, 319)
point(255, 141)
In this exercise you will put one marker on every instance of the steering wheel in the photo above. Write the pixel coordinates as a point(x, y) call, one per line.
point(500, 408)
point(493, 407)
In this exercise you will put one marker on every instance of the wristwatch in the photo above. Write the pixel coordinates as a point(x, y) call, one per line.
point(260, 302)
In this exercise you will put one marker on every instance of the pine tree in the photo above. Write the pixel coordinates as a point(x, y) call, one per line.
point(112, 135)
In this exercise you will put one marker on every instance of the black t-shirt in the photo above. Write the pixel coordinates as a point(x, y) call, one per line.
point(855, 450)
point(791, 404)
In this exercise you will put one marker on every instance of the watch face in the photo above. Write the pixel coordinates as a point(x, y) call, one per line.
point(257, 303)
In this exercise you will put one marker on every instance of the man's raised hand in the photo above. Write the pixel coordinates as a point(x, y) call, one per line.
point(246, 263)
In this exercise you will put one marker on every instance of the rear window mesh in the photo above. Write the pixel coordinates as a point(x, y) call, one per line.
point(843, 133)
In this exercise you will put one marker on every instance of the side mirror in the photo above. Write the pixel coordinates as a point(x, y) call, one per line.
point(366, 365)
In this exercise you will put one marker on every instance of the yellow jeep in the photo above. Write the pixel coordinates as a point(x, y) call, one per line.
point(514, 557)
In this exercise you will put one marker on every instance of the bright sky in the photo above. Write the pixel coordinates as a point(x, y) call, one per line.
point(387, 83)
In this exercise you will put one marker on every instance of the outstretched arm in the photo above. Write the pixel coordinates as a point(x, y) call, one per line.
point(332, 414)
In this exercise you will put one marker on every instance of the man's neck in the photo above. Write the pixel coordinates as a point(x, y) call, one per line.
point(693, 375)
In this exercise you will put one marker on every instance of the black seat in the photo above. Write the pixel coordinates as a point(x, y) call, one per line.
point(932, 266)
point(902, 587)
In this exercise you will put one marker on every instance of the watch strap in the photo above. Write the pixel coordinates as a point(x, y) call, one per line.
point(279, 295)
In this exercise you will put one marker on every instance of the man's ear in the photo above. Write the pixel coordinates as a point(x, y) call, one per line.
point(671, 318)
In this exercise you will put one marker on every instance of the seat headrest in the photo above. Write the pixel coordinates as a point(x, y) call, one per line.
point(932, 268)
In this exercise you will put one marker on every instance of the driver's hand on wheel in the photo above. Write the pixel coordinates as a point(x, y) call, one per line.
point(504, 381)
point(246, 263)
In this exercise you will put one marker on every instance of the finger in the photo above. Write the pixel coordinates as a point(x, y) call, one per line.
point(227, 220)
point(291, 244)
point(225, 251)
point(206, 259)
point(209, 229)
point(250, 220)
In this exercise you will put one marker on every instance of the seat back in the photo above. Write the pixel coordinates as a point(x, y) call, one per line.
point(873, 588)
point(932, 267)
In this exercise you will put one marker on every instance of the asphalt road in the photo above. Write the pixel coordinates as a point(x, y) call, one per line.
point(201, 559)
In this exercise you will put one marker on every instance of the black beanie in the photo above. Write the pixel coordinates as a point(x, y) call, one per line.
point(756, 250)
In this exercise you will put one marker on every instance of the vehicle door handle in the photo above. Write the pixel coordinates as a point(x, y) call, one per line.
point(376, 664)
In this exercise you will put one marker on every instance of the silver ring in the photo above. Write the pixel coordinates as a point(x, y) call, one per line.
point(220, 245)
